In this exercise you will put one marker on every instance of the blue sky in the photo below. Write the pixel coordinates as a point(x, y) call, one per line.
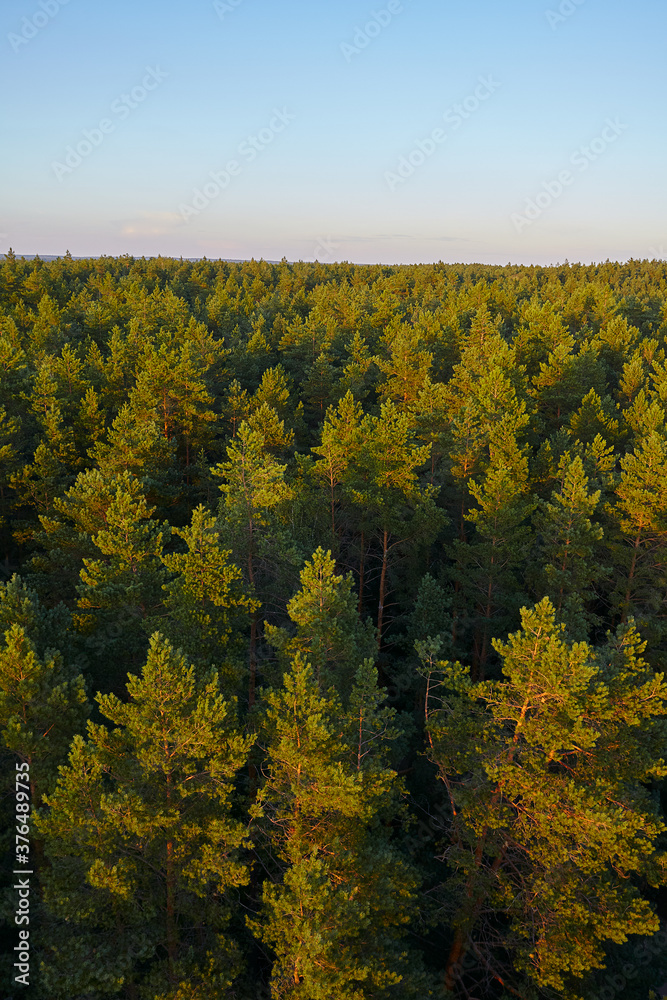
point(339, 124)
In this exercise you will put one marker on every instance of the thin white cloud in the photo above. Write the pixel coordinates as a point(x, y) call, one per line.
point(402, 236)
point(151, 224)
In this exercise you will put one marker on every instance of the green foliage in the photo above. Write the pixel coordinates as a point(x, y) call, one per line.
point(135, 445)
point(206, 606)
point(334, 913)
point(488, 564)
point(253, 487)
point(392, 504)
point(46, 627)
point(144, 850)
point(639, 514)
point(547, 773)
point(431, 445)
point(121, 585)
point(340, 441)
point(569, 544)
point(431, 616)
point(41, 707)
point(328, 630)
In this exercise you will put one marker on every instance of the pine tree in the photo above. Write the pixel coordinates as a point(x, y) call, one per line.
point(384, 486)
point(406, 369)
point(274, 391)
point(638, 536)
point(596, 416)
point(237, 406)
point(55, 461)
point(9, 460)
point(253, 489)
point(14, 370)
point(46, 627)
point(320, 385)
point(568, 551)
point(487, 399)
point(135, 444)
point(431, 614)
point(546, 771)
point(334, 912)
point(66, 534)
point(42, 705)
point(89, 421)
point(171, 386)
point(487, 566)
point(46, 332)
point(206, 606)
point(358, 372)
point(432, 416)
point(265, 421)
point(341, 438)
point(143, 845)
point(565, 379)
point(328, 630)
point(122, 585)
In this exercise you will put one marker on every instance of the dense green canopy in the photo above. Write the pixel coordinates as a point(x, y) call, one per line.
point(333, 623)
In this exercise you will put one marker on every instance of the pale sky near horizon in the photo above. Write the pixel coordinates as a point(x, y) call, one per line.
point(531, 131)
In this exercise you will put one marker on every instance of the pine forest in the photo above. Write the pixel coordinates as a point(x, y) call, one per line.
point(333, 629)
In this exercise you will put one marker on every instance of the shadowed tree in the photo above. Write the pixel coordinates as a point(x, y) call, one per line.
point(143, 845)
point(205, 607)
point(487, 566)
point(334, 911)
point(568, 548)
point(341, 439)
point(253, 489)
point(42, 705)
point(329, 631)
point(121, 586)
point(392, 505)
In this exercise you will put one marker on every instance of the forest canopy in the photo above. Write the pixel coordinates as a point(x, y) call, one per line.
point(333, 627)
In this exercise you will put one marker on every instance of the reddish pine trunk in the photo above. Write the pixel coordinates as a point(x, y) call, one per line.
point(456, 953)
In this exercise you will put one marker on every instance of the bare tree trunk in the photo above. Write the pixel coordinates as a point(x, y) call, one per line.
point(383, 584)
point(171, 905)
point(361, 575)
point(253, 660)
point(633, 567)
